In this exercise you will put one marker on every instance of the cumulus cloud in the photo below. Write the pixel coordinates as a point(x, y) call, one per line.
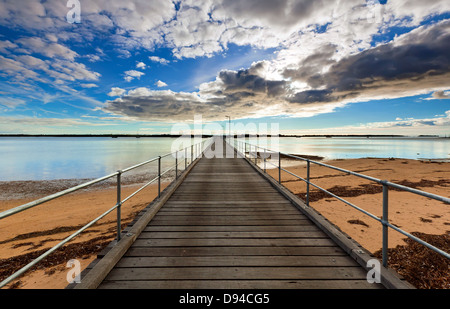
point(242, 93)
point(132, 74)
point(202, 28)
point(159, 59)
point(414, 63)
point(160, 84)
point(441, 95)
point(141, 65)
point(116, 92)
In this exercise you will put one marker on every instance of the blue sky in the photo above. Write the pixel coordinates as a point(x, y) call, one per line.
point(312, 67)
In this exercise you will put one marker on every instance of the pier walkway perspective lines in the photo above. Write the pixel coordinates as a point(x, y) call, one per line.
point(224, 224)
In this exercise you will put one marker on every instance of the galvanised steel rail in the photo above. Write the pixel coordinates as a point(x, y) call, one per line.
point(245, 148)
point(193, 151)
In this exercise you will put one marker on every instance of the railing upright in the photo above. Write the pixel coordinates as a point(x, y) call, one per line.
point(385, 223)
point(308, 164)
point(159, 176)
point(279, 167)
point(264, 160)
point(176, 164)
point(119, 204)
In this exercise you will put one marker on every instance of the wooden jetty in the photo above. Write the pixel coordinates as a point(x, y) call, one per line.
point(224, 224)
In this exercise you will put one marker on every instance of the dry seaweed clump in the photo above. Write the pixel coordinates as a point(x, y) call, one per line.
point(419, 265)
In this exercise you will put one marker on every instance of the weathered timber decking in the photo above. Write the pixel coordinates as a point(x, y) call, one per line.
point(226, 226)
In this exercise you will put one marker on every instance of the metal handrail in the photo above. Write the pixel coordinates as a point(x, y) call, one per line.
point(241, 147)
point(199, 149)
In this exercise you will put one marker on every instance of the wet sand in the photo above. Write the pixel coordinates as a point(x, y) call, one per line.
point(45, 225)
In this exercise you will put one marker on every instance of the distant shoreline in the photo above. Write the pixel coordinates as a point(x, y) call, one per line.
point(235, 136)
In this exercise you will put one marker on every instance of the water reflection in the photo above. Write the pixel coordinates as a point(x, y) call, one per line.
point(46, 158)
point(349, 148)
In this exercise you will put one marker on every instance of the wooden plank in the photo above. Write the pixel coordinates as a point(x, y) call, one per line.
point(241, 284)
point(229, 235)
point(232, 251)
point(234, 228)
point(246, 273)
point(230, 196)
point(254, 216)
point(229, 203)
point(195, 242)
point(231, 222)
point(239, 261)
point(225, 212)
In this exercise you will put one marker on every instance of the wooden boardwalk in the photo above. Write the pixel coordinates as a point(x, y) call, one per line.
point(226, 226)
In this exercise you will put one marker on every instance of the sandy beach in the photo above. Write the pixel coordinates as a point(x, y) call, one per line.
point(37, 229)
point(26, 235)
point(410, 212)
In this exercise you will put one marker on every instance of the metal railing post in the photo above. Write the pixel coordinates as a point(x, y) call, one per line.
point(264, 160)
point(279, 167)
point(119, 204)
point(176, 164)
point(256, 153)
point(185, 158)
point(159, 176)
point(192, 153)
point(384, 221)
point(307, 181)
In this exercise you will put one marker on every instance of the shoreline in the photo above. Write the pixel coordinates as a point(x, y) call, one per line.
point(47, 224)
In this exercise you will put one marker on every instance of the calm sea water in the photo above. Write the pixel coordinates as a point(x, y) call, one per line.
point(46, 158)
point(356, 147)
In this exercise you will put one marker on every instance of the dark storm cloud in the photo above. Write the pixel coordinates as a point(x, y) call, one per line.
point(419, 56)
point(282, 13)
point(244, 80)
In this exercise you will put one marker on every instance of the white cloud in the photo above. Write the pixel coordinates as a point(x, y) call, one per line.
point(89, 85)
point(441, 95)
point(141, 65)
point(160, 84)
point(159, 59)
point(29, 124)
point(48, 49)
point(132, 74)
point(116, 92)
point(11, 103)
point(5, 46)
